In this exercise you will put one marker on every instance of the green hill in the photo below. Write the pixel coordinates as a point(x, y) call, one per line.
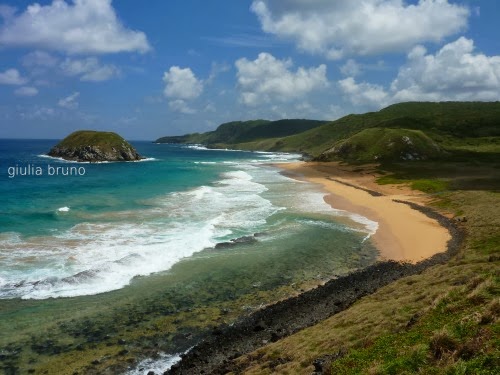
point(237, 132)
point(460, 129)
point(379, 144)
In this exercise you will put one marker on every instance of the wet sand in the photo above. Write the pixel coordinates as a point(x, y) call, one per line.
point(404, 234)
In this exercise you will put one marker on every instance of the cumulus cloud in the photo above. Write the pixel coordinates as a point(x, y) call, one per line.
point(89, 69)
point(26, 91)
point(350, 68)
point(181, 83)
point(12, 77)
point(344, 27)
point(69, 102)
point(454, 72)
point(267, 78)
point(81, 26)
point(365, 94)
point(181, 106)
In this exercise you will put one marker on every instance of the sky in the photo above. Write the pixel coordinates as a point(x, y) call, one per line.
point(147, 69)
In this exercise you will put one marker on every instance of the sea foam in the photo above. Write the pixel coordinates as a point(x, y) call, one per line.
point(95, 257)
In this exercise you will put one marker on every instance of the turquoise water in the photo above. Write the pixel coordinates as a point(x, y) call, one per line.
point(95, 232)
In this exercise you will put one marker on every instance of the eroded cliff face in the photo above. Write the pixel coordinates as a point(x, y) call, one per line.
point(92, 146)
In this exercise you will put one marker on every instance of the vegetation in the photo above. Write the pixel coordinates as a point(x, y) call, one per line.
point(106, 140)
point(381, 144)
point(88, 145)
point(443, 321)
point(237, 132)
point(464, 130)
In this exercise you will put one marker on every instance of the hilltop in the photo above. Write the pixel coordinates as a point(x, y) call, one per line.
point(442, 319)
point(238, 132)
point(94, 146)
point(418, 131)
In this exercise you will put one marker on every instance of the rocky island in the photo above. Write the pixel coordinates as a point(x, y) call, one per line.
point(94, 146)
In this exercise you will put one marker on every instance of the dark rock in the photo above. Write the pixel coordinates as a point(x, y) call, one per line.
point(93, 146)
point(493, 258)
point(413, 320)
point(289, 316)
point(322, 364)
point(237, 241)
point(260, 326)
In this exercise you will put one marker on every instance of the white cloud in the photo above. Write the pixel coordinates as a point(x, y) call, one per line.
point(26, 91)
point(365, 94)
point(210, 107)
point(89, 69)
point(350, 68)
point(181, 106)
point(269, 79)
point(38, 113)
point(39, 58)
point(12, 77)
point(345, 27)
point(216, 70)
point(181, 83)
point(454, 72)
point(69, 102)
point(82, 26)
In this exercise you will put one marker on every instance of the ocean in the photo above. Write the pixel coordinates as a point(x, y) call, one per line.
point(210, 226)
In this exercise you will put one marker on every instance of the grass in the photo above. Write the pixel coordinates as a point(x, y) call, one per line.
point(382, 144)
point(95, 138)
point(430, 186)
point(237, 132)
point(443, 321)
point(465, 130)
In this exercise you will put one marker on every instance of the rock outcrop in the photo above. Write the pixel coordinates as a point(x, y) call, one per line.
point(95, 146)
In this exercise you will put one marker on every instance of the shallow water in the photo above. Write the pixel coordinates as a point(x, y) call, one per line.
point(130, 243)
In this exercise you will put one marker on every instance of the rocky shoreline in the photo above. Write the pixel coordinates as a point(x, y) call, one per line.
point(214, 355)
point(93, 146)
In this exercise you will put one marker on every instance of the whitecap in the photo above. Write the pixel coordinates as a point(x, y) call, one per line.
point(157, 365)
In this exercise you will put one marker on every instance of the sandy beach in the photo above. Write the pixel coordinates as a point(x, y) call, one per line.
point(404, 234)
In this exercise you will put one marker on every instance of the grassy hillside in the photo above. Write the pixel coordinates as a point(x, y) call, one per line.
point(462, 129)
point(380, 144)
point(442, 321)
point(106, 140)
point(237, 132)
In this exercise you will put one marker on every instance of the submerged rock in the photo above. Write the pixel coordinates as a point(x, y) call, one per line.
point(94, 146)
point(237, 241)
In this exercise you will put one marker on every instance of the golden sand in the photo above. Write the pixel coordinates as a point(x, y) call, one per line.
point(404, 234)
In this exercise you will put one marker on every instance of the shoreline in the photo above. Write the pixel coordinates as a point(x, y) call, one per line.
point(216, 354)
point(403, 234)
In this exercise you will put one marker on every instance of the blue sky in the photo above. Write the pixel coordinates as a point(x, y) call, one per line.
point(174, 67)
